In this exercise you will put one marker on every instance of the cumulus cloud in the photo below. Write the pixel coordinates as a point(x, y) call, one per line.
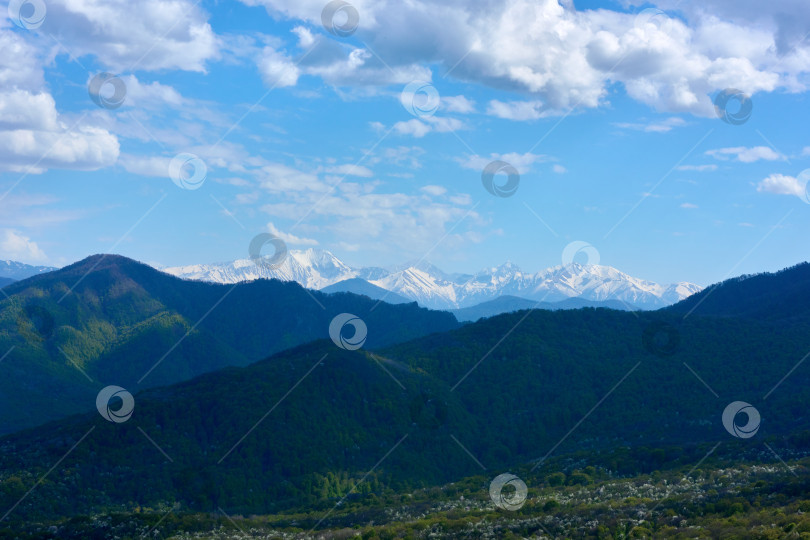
point(420, 127)
point(745, 154)
point(458, 104)
point(517, 110)
point(290, 238)
point(783, 185)
point(568, 58)
point(657, 126)
point(16, 246)
point(521, 162)
point(33, 135)
point(128, 34)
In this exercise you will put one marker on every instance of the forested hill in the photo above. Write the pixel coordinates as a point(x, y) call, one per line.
point(110, 320)
point(783, 295)
point(512, 389)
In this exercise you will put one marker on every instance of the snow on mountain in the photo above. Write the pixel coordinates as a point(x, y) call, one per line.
point(430, 287)
point(17, 270)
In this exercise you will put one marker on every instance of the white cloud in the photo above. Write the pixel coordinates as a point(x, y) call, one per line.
point(350, 170)
point(290, 239)
point(150, 95)
point(14, 245)
point(420, 127)
point(521, 162)
point(517, 110)
point(659, 126)
point(129, 34)
point(782, 185)
point(413, 127)
point(458, 104)
point(806, 151)
point(146, 165)
point(568, 58)
point(33, 135)
point(746, 155)
point(435, 191)
point(277, 70)
point(689, 206)
point(559, 169)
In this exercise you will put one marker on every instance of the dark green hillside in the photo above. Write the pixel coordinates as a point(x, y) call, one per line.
point(123, 317)
point(323, 437)
point(348, 413)
point(783, 295)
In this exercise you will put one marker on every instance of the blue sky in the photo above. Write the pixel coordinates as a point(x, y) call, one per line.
point(604, 108)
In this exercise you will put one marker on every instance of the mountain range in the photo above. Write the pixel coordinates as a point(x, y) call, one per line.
point(435, 289)
point(109, 319)
point(313, 422)
point(16, 271)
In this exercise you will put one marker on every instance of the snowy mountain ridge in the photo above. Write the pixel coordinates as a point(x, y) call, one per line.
point(432, 288)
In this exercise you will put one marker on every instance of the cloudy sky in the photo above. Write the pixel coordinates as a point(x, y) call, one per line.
point(174, 131)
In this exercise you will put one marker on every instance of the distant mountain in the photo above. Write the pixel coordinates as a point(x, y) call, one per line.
point(317, 425)
point(363, 287)
point(782, 295)
point(17, 270)
point(509, 304)
point(111, 320)
point(432, 288)
point(6, 281)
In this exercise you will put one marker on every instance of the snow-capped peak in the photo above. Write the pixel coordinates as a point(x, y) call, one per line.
point(431, 287)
